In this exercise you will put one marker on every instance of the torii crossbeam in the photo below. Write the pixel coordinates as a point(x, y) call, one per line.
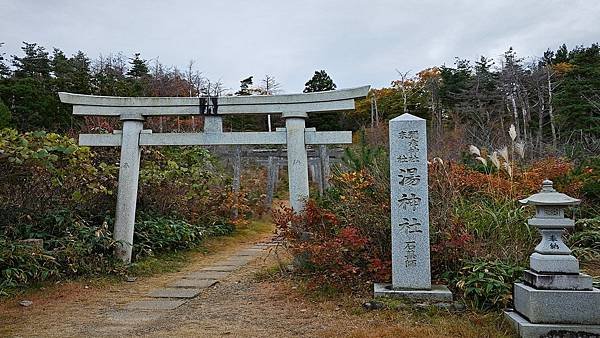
point(133, 110)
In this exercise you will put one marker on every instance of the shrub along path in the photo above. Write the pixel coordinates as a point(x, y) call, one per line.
point(220, 295)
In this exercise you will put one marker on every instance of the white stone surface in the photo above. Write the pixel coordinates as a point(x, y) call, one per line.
point(297, 160)
point(214, 138)
point(335, 100)
point(129, 172)
point(213, 124)
point(438, 293)
point(409, 203)
point(557, 306)
point(552, 281)
point(553, 263)
point(207, 275)
point(526, 329)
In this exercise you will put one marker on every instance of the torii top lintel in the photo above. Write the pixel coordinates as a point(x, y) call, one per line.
point(333, 100)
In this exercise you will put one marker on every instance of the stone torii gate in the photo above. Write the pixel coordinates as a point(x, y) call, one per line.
point(133, 110)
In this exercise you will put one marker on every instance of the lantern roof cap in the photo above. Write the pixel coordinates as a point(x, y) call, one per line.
point(549, 196)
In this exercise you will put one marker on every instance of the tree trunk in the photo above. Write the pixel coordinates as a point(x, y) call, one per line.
point(515, 115)
point(540, 135)
point(550, 109)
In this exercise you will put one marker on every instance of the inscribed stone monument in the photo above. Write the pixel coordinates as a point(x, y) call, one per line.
point(411, 271)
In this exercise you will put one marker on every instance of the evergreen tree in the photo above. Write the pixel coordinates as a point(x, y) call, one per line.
point(138, 77)
point(322, 121)
point(240, 122)
point(4, 70)
point(319, 82)
point(5, 116)
point(30, 92)
point(562, 54)
point(35, 63)
point(139, 67)
point(575, 106)
point(245, 87)
point(80, 78)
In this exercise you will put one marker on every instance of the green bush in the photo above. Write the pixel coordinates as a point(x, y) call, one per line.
point(500, 224)
point(21, 264)
point(160, 234)
point(486, 284)
point(71, 247)
point(588, 176)
point(184, 182)
point(46, 171)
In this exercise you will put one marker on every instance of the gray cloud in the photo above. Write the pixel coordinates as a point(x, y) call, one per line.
point(357, 42)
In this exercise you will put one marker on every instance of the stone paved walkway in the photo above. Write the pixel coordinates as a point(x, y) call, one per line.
point(180, 291)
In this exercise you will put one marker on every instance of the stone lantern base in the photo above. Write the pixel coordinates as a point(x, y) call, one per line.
point(541, 311)
point(527, 329)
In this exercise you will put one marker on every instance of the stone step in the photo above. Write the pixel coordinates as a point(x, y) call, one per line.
point(174, 293)
point(155, 304)
point(208, 275)
point(238, 260)
point(249, 252)
point(194, 283)
point(221, 268)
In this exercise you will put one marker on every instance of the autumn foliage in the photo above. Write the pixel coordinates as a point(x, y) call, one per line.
point(344, 238)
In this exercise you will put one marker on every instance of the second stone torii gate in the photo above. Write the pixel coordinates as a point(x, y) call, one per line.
point(133, 110)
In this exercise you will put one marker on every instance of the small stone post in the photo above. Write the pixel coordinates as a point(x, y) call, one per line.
point(297, 159)
point(325, 170)
point(237, 177)
point(554, 296)
point(272, 169)
point(411, 271)
point(129, 173)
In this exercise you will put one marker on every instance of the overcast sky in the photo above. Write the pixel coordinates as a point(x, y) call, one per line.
point(356, 42)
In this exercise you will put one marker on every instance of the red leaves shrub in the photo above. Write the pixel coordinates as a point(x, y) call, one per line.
point(329, 252)
point(525, 181)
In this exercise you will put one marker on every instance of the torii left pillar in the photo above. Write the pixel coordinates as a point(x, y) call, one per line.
point(297, 159)
point(129, 173)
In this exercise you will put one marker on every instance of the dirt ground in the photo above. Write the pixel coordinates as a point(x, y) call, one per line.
point(241, 305)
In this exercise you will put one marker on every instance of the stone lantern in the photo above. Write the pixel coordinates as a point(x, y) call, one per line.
point(551, 256)
point(554, 296)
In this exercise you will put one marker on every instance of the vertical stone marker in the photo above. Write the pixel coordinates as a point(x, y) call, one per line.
point(411, 271)
point(409, 203)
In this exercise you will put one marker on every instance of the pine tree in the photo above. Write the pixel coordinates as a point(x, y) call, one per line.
point(319, 82)
point(80, 76)
point(139, 67)
point(139, 77)
point(4, 70)
point(323, 121)
point(35, 63)
point(245, 87)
